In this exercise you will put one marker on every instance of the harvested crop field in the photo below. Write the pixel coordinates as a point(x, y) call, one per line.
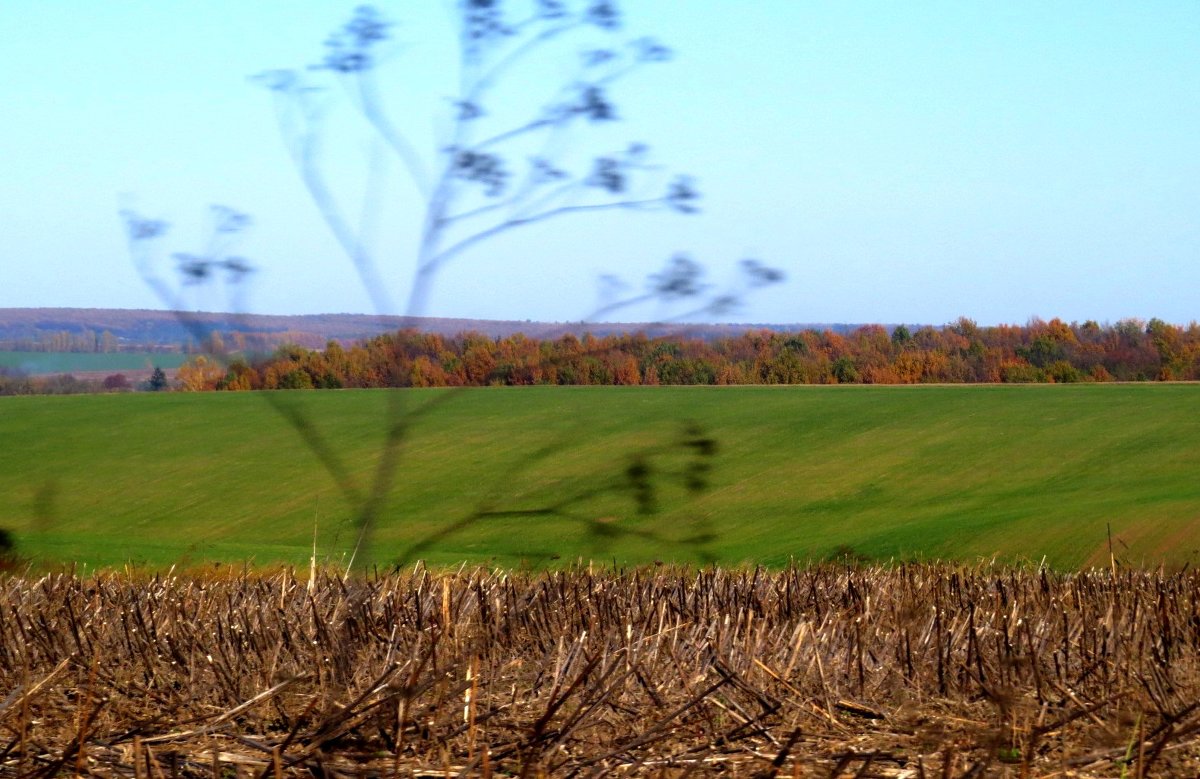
point(829, 671)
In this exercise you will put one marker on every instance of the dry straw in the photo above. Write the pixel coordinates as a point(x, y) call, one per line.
point(913, 670)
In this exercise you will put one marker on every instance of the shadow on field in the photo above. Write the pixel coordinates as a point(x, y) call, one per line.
point(681, 465)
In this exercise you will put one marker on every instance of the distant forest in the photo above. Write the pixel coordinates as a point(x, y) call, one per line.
point(962, 352)
point(107, 331)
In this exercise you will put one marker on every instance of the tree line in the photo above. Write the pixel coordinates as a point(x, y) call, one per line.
point(16, 382)
point(958, 353)
point(962, 352)
point(84, 340)
point(87, 341)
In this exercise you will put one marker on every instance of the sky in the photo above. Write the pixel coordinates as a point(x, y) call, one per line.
point(900, 162)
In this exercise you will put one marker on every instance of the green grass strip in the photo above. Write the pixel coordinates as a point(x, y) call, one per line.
point(540, 475)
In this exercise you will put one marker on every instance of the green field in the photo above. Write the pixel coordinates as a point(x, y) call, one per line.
point(83, 362)
point(961, 472)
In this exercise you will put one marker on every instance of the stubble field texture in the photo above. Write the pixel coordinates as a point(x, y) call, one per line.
point(834, 671)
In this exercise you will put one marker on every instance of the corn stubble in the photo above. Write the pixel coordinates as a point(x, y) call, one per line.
point(913, 670)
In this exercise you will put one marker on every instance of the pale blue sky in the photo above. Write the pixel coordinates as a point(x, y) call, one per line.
point(903, 162)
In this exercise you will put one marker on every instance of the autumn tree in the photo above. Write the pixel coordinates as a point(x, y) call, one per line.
point(116, 382)
point(199, 373)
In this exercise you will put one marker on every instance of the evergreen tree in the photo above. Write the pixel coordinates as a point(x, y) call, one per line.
point(158, 380)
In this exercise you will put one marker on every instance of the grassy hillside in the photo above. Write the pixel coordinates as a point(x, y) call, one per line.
point(1018, 471)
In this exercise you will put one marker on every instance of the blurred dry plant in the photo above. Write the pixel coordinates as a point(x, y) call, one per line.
point(485, 178)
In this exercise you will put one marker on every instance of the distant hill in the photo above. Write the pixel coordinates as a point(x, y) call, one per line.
point(141, 329)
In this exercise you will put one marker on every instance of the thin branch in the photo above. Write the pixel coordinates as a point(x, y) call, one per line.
point(617, 74)
point(620, 304)
point(304, 153)
point(516, 132)
point(513, 201)
point(372, 197)
point(531, 183)
point(566, 116)
point(441, 257)
point(371, 107)
point(545, 200)
point(547, 154)
point(481, 210)
point(485, 81)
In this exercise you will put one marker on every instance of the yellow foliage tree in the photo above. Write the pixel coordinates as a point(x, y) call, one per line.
point(199, 374)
